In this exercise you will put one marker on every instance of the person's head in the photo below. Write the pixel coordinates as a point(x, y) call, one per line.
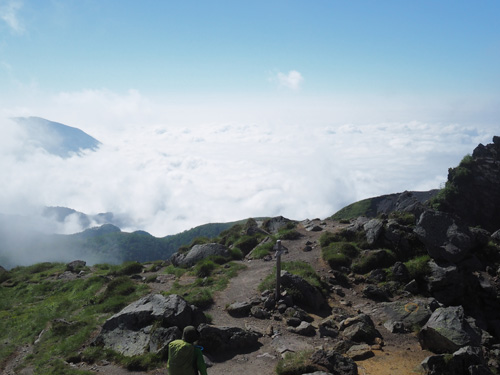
point(190, 334)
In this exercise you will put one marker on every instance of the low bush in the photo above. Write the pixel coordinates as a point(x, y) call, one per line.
point(262, 250)
point(374, 259)
point(296, 364)
point(129, 268)
point(418, 267)
point(204, 268)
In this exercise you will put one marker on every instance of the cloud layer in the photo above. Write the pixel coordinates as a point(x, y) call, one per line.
point(171, 166)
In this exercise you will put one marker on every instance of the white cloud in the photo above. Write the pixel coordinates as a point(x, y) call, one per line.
point(9, 10)
point(293, 80)
point(172, 165)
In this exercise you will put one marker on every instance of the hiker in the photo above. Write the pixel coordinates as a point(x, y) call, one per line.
point(184, 358)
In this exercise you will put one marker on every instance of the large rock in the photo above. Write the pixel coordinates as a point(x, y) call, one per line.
point(359, 329)
point(448, 329)
point(227, 339)
point(139, 326)
point(404, 316)
point(467, 360)
point(274, 224)
point(373, 230)
point(334, 362)
point(445, 239)
point(308, 295)
point(445, 283)
point(199, 252)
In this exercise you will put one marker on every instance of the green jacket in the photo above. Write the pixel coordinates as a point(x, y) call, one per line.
point(185, 359)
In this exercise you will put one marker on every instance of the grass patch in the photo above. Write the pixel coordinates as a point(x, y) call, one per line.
point(296, 364)
point(263, 250)
point(418, 267)
point(200, 291)
point(68, 311)
point(338, 254)
point(371, 260)
point(299, 268)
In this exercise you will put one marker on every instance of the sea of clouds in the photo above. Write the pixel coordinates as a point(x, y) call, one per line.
point(169, 164)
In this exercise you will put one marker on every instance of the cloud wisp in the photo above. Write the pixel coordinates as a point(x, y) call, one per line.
point(9, 13)
point(292, 80)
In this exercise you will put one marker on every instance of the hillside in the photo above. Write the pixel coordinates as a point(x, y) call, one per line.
point(416, 290)
point(103, 244)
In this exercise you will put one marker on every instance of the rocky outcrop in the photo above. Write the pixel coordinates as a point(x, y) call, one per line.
point(199, 252)
point(475, 188)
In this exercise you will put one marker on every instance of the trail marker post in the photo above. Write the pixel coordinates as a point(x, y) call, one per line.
point(279, 251)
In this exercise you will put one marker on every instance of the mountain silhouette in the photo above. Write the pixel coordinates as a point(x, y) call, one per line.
point(56, 138)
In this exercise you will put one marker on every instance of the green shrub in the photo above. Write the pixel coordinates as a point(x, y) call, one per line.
point(372, 260)
point(418, 267)
point(246, 244)
point(336, 260)
point(299, 268)
point(262, 250)
point(236, 253)
point(289, 234)
point(129, 268)
point(403, 218)
point(327, 238)
point(339, 254)
point(204, 268)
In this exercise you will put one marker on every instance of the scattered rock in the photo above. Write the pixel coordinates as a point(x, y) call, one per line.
point(239, 309)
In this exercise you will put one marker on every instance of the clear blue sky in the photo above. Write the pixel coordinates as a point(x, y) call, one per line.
point(234, 47)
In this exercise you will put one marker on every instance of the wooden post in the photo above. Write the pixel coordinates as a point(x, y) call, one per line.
point(278, 270)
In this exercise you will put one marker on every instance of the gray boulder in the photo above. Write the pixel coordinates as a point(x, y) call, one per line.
point(226, 339)
point(359, 329)
point(75, 265)
point(443, 237)
point(404, 316)
point(448, 329)
point(467, 360)
point(308, 295)
point(334, 362)
point(239, 309)
point(373, 230)
point(142, 325)
point(303, 329)
point(445, 283)
point(199, 252)
point(274, 224)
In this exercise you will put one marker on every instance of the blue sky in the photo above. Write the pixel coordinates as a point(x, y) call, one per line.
point(218, 110)
point(227, 47)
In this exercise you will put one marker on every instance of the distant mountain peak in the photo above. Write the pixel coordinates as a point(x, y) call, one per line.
point(56, 138)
